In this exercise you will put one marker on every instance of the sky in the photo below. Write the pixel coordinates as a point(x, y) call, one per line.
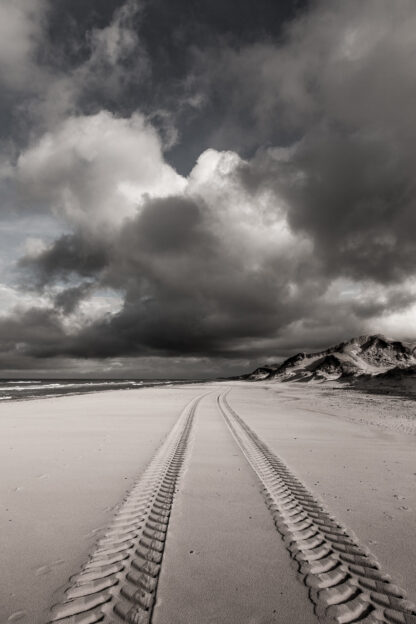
point(192, 188)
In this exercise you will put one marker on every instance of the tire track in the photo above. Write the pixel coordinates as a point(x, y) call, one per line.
point(119, 581)
point(344, 579)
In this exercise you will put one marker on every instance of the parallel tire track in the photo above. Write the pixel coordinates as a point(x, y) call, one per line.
point(119, 581)
point(345, 581)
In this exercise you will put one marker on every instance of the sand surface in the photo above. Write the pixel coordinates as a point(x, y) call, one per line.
point(66, 464)
point(224, 561)
point(352, 457)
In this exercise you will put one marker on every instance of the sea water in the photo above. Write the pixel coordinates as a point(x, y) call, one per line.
point(12, 389)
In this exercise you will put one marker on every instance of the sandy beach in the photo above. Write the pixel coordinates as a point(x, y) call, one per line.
point(77, 471)
point(65, 463)
point(208, 312)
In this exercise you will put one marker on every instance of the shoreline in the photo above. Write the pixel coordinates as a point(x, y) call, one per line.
point(57, 393)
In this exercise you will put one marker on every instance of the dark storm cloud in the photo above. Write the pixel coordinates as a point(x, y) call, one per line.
point(343, 62)
point(298, 234)
point(167, 225)
point(69, 254)
point(355, 197)
point(184, 295)
point(127, 55)
point(187, 288)
point(27, 331)
point(352, 195)
point(176, 35)
point(340, 89)
point(68, 300)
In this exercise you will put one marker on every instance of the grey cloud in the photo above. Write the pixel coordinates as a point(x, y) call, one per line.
point(29, 331)
point(336, 95)
point(340, 61)
point(168, 225)
point(184, 295)
point(124, 56)
point(44, 81)
point(355, 197)
point(68, 255)
point(306, 240)
point(185, 289)
point(68, 300)
point(21, 27)
point(192, 288)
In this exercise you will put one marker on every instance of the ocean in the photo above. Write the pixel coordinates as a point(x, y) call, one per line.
point(18, 389)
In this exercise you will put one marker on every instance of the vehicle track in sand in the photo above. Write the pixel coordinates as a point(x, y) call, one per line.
point(345, 582)
point(119, 581)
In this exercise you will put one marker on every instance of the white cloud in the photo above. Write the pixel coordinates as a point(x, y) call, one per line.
point(14, 301)
point(252, 225)
point(98, 305)
point(95, 170)
point(399, 325)
point(395, 319)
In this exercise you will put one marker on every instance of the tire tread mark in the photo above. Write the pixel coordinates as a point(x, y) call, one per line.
point(119, 581)
point(344, 579)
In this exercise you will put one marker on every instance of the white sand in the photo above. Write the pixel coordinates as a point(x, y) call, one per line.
point(365, 474)
point(67, 462)
point(224, 561)
point(64, 463)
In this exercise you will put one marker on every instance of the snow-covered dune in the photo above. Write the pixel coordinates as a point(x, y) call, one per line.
point(362, 356)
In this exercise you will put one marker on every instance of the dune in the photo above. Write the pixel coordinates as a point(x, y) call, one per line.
point(363, 357)
point(220, 502)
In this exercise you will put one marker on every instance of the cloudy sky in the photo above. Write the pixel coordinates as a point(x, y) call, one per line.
point(192, 187)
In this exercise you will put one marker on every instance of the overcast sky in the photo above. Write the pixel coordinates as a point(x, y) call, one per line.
point(192, 188)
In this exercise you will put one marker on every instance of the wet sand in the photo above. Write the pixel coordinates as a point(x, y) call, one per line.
point(68, 462)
